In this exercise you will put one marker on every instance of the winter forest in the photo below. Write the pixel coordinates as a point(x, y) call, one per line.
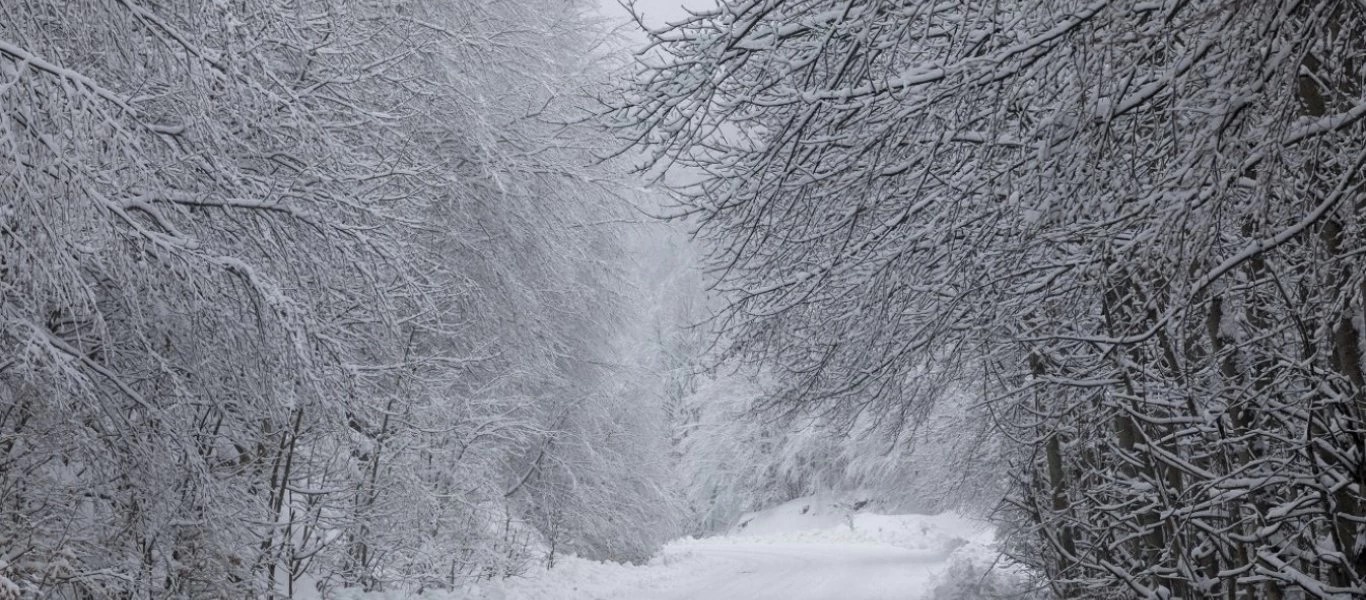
point(524, 299)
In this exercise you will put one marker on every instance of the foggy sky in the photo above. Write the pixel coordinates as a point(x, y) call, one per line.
point(657, 12)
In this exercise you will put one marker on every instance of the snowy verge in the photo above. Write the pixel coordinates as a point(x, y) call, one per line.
point(979, 572)
point(825, 519)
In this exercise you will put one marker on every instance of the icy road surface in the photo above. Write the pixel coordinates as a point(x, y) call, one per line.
point(804, 571)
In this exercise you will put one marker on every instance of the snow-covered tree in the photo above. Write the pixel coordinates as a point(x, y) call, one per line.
point(290, 292)
point(1136, 227)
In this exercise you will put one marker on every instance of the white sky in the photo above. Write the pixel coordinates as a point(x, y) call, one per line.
point(657, 12)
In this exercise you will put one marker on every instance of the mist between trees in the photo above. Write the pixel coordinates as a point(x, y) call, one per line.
point(299, 297)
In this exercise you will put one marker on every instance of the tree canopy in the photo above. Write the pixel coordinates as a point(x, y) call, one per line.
point(319, 293)
point(1136, 228)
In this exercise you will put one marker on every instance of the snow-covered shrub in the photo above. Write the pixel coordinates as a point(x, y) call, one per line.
point(740, 454)
point(978, 573)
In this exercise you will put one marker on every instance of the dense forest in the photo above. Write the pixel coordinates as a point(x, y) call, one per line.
point(301, 298)
point(323, 294)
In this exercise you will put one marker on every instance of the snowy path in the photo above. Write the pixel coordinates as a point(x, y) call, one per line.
point(804, 571)
point(806, 549)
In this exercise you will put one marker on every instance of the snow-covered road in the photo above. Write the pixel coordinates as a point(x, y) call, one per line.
point(806, 549)
point(804, 571)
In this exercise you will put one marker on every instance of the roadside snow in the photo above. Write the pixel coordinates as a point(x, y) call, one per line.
point(815, 520)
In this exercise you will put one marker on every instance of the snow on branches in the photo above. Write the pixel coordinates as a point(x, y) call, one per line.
point(291, 293)
point(1137, 226)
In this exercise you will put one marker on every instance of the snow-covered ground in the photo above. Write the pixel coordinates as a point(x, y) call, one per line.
point(815, 548)
point(811, 548)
